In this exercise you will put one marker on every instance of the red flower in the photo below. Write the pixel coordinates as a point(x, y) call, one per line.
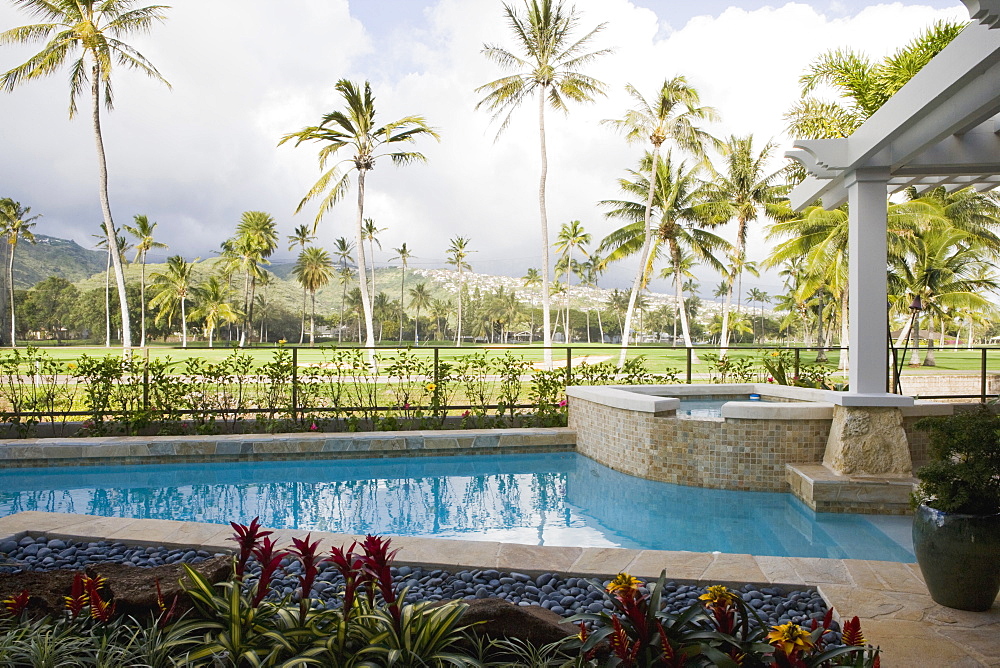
point(305, 552)
point(16, 604)
point(101, 610)
point(269, 561)
point(77, 600)
point(852, 633)
point(248, 538)
point(350, 566)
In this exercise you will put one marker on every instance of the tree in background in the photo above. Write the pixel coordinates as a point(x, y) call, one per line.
point(673, 115)
point(531, 280)
point(549, 65)
point(15, 225)
point(420, 298)
point(255, 240)
point(354, 128)
point(571, 236)
point(171, 288)
point(95, 29)
point(369, 232)
point(313, 270)
point(457, 252)
point(301, 238)
point(144, 242)
point(213, 306)
point(403, 254)
point(123, 247)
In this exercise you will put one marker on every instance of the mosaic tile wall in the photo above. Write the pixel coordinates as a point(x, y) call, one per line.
point(723, 454)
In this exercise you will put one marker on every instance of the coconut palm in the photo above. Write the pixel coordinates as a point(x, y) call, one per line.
point(102, 242)
point(571, 236)
point(672, 115)
point(440, 308)
point(548, 63)
point(590, 272)
point(457, 252)
point(369, 231)
point(532, 279)
point(679, 213)
point(171, 288)
point(92, 31)
point(301, 237)
point(15, 224)
point(313, 270)
point(213, 305)
point(742, 192)
point(255, 240)
point(342, 249)
point(403, 254)
point(143, 232)
point(420, 299)
point(354, 128)
point(863, 85)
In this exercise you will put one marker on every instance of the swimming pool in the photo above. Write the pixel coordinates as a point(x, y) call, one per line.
point(542, 499)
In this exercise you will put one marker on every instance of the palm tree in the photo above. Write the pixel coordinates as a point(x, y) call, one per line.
point(440, 308)
point(678, 214)
point(212, 299)
point(143, 233)
point(122, 249)
point(590, 272)
point(95, 29)
point(457, 252)
point(172, 287)
point(571, 235)
point(370, 233)
point(313, 270)
point(355, 128)
point(420, 298)
point(863, 85)
point(531, 279)
point(301, 237)
point(672, 115)
point(550, 65)
point(256, 239)
point(343, 248)
point(758, 296)
point(15, 224)
point(403, 254)
point(742, 192)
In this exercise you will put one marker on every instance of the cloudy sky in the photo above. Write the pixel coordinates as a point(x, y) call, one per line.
point(245, 72)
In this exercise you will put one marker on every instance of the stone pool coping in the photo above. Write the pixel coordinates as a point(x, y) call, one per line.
point(116, 450)
point(890, 598)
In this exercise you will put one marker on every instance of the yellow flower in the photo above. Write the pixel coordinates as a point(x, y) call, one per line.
point(790, 638)
point(70, 366)
point(623, 582)
point(774, 354)
point(431, 387)
point(718, 595)
point(282, 342)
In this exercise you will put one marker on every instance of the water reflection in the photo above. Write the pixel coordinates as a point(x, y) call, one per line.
point(553, 499)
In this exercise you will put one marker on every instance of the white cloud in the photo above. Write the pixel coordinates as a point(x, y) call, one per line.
point(244, 73)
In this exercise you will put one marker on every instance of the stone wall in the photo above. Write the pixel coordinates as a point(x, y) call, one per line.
point(719, 453)
point(114, 450)
point(949, 384)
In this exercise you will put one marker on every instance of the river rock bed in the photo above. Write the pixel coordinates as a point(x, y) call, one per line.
point(562, 594)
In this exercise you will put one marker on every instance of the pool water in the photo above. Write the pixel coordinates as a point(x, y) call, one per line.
point(543, 499)
point(707, 408)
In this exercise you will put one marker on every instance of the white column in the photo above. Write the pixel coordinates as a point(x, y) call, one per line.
point(866, 190)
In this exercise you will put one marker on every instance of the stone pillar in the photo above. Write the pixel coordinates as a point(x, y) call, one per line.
point(868, 440)
point(867, 243)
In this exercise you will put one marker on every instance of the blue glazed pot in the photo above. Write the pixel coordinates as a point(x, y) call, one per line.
point(959, 556)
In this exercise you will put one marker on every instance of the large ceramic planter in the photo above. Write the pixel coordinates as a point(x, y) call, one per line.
point(959, 556)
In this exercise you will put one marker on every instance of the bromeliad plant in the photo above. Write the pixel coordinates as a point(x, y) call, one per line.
point(247, 623)
point(721, 630)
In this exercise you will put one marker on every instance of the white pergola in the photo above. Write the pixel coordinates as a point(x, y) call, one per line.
point(941, 129)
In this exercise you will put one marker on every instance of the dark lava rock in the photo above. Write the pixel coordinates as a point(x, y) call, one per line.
point(133, 589)
point(495, 619)
point(46, 588)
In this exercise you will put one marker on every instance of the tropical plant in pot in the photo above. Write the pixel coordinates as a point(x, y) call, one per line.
point(956, 525)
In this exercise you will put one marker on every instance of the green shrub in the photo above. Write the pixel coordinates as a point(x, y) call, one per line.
point(963, 475)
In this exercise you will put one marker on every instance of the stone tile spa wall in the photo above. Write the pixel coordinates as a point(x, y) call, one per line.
point(708, 452)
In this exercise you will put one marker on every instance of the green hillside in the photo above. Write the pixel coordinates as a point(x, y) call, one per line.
point(54, 257)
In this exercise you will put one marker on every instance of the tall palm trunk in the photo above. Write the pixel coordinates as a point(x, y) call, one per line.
point(302, 328)
point(402, 311)
point(366, 305)
point(340, 326)
point(10, 285)
point(647, 243)
point(461, 285)
point(675, 253)
point(109, 225)
point(737, 276)
point(142, 299)
point(184, 322)
point(312, 321)
point(416, 328)
point(247, 305)
point(107, 303)
point(544, 221)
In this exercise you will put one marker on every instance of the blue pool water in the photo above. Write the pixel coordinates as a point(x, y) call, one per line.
point(543, 499)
